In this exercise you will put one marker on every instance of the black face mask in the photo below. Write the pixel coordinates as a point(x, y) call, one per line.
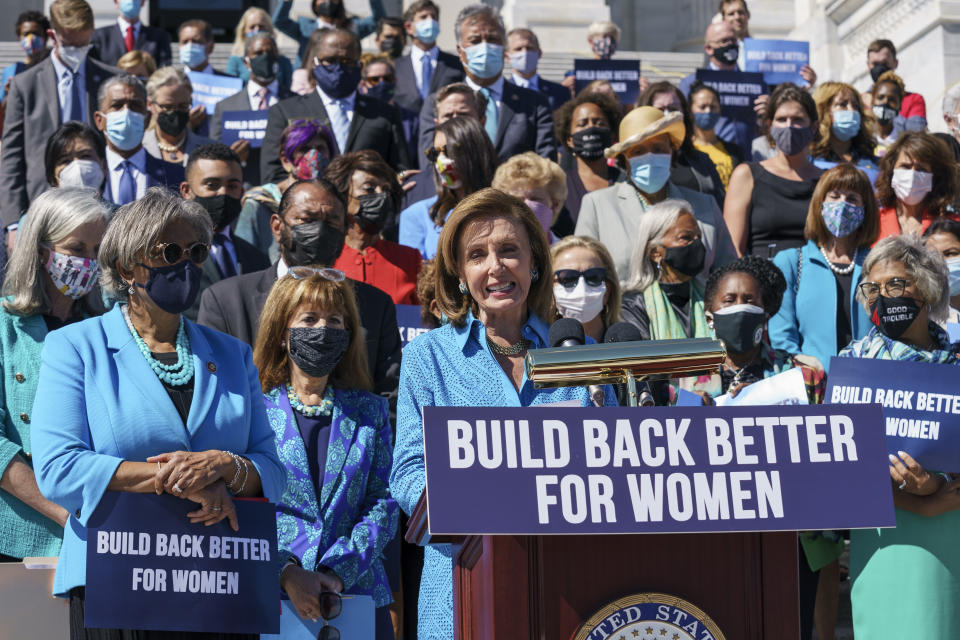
point(741, 329)
point(687, 259)
point(727, 54)
point(312, 243)
point(878, 70)
point(376, 210)
point(590, 143)
point(264, 67)
point(328, 9)
point(893, 316)
point(317, 350)
point(223, 209)
point(392, 45)
point(173, 123)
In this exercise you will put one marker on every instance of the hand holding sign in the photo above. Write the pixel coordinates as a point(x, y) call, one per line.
point(305, 587)
point(911, 477)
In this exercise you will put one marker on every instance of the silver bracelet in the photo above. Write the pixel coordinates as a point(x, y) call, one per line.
point(246, 474)
point(236, 461)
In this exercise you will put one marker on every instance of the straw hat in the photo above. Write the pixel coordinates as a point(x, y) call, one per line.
point(644, 123)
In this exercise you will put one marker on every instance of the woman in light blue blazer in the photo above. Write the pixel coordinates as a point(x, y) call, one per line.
point(143, 400)
point(50, 274)
point(819, 315)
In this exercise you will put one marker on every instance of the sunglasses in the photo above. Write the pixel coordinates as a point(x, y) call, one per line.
point(570, 277)
point(433, 152)
point(378, 79)
point(302, 273)
point(171, 252)
point(331, 604)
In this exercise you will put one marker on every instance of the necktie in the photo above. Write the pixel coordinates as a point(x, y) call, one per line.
point(492, 116)
point(127, 189)
point(426, 72)
point(262, 92)
point(223, 259)
point(76, 100)
point(128, 38)
point(341, 124)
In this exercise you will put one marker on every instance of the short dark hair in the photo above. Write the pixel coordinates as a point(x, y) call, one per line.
point(390, 21)
point(943, 225)
point(63, 137)
point(697, 87)
point(724, 3)
point(341, 169)
point(789, 92)
point(211, 151)
point(199, 24)
point(462, 88)
point(418, 6)
point(523, 31)
point(31, 16)
point(768, 276)
point(563, 117)
point(881, 44)
point(291, 191)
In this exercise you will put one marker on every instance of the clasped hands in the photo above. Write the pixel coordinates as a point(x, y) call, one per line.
point(201, 477)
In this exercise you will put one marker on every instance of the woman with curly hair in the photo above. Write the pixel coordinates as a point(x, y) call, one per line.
point(844, 133)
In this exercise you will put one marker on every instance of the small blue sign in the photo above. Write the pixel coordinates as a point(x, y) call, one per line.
point(209, 88)
point(921, 404)
point(778, 60)
point(409, 322)
point(738, 90)
point(953, 330)
point(548, 470)
point(623, 76)
point(243, 125)
point(149, 568)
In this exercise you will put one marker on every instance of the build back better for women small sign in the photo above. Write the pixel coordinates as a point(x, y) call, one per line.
point(149, 568)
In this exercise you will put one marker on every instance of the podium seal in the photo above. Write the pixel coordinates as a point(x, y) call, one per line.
point(649, 616)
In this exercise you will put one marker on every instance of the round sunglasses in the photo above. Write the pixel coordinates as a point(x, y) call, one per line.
point(171, 252)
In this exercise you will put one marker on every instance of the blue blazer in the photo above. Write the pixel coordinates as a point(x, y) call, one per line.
point(99, 403)
point(807, 321)
point(349, 526)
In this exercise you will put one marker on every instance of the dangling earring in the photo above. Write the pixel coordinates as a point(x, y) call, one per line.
point(534, 275)
point(131, 289)
point(463, 287)
point(658, 269)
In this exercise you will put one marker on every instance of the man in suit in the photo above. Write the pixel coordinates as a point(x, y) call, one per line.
point(517, 119)
point(214, 180)
point(61, 88)
point(357, 121)
point(523, 47)
point(110, 43)
point(261, 92)
point(309, 226)
point(425, 69)
point(122, 117)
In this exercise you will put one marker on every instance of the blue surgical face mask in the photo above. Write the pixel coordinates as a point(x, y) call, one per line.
point(650, 171)
point(485, 60)
point(706, 121)
point(846, 124)
point(125, 129)
point(953, 265)
point(192, 54)
point(427, 30)
point(130, 9)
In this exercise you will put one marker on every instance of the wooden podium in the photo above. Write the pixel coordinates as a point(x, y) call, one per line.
point(545, 587)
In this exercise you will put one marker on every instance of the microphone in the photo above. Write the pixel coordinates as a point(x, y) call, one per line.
point(567, 332)
point(626, 332)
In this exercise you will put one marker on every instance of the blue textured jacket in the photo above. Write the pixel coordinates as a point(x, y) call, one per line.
point(99, 403)
point(355, 518)
point(807, 321)
point(453, 366)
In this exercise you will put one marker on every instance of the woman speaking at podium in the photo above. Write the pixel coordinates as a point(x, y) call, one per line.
point(493, 283)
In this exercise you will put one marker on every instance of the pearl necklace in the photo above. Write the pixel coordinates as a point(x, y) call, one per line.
point(175, 375)
point(325, 408)
point(171, 148)
point(840, 271)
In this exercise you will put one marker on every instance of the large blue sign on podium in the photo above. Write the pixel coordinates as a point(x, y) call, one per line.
point(553, 470)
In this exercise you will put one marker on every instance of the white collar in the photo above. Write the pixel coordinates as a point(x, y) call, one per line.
point(329, 102)
point(253, 87)
point(323, 24)
point(417, 54)
point(138, 159)
point(526, 83)
point(496, 88)
point(61, 68)
point(124, 23)
point(206, 69)
point(282, 268)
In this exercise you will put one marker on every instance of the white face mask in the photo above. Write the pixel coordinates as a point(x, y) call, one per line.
point(73, 57)
point(82, 173)
point(583, 302)
point(911, 186)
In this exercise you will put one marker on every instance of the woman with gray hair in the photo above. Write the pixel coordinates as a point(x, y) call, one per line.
point(906, 289)
point(142, 400)
point(169, 96)
point(52, 269)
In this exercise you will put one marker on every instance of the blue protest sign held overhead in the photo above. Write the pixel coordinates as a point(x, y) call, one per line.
point(243, 125)
point(623, 76)
point(149, 568)
point(549, 470)
point(209, 88)
point(778, 60)
point(921, 404)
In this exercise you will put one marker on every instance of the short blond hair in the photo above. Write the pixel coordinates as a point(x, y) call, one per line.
point(167, 76)
point(528, 170)
point(133, 59)
point(603, 28)
point(74, 15)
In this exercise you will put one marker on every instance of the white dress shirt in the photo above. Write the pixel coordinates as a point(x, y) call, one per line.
point(532, 83)
point(115, 166)
point(253, 88)
point(323, 24)
point(496, 89)
point(416, 57)
point(123, 23)
point(65, 86)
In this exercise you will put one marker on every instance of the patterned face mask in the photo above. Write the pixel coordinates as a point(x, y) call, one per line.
point(841, 218)
point(73, 276)
point(604, 47)
point(309, 166)
point(446, 170)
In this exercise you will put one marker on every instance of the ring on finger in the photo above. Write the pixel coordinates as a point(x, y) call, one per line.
point(177, 489)
point(903, 485)
point(216, 508)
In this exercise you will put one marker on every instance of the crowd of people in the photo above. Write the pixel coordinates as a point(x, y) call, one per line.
point(206, 320)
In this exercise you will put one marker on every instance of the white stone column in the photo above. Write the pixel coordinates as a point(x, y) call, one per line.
point(560, 25)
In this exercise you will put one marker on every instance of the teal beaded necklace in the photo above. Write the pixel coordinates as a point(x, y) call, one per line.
point(175, 375)
point(325, 408)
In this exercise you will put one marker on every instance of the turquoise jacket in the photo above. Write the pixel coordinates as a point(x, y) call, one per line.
point(23, 530)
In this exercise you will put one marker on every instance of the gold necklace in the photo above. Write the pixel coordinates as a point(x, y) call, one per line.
point(511, 350)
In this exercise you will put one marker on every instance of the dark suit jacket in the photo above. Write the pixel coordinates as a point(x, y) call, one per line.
point(240, 101)
point(525, 124)
point(160, 173)
point(555, 93)
point(233, 306)
point(32, 116)
point(108, 45)
point(448, 71)
point(249, 260)
point(375, 125)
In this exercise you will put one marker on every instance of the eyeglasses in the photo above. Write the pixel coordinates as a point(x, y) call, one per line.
point(892, 288)
point(183, 106)
point(375, 80)
point(570, 277)
point(302, 273)
point(433, 152)
point(171, 252)
point(331, 604)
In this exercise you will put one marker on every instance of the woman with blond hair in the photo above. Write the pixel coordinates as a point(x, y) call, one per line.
point(254, 21)
point(540, 183)
point(169, 96)
point(844, 132)
point(585, 285)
